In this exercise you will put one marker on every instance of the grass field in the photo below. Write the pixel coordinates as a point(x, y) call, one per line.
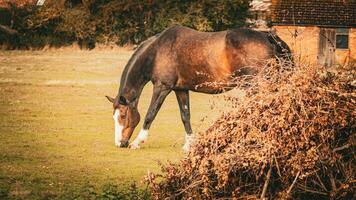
point(56, 128)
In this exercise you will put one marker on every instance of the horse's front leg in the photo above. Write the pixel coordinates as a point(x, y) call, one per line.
point(160, 93)
point(183, 101)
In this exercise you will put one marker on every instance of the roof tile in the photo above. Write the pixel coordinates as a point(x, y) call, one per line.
point(314, 12)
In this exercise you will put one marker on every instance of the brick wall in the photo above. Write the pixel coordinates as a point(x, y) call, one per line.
point(303, 41)
point(352, 46)
point(345, 57)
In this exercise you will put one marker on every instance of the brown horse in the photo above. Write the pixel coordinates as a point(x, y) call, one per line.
point(182, 59)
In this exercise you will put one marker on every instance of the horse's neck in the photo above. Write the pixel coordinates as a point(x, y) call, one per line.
point(132, 84)
point(135, 75)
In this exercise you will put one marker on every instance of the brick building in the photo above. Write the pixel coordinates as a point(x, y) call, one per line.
point(318, 31)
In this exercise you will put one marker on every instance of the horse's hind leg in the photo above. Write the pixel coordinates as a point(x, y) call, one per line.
point(160, 93)
point(183, 101)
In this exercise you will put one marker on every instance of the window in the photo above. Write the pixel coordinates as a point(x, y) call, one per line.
point(342, 38)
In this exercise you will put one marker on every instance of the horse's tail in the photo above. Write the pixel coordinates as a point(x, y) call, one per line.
point(282, 50)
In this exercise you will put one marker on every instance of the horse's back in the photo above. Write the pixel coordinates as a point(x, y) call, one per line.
point(186, 58)
point(182, 53)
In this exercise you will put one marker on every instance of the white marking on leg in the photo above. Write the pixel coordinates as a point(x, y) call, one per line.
point(141, 138)
point(188, 142)
point(118, 128)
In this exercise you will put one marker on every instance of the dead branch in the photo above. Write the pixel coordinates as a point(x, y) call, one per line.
point(278, 170)
point(294, 181)
point(321, 182)
point(341, 148)
point(8, 30)
point(265, 186)
point(333, 184)
point(313, 191)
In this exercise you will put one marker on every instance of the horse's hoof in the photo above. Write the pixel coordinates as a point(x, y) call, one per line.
point(134, 146)
point(186, 148)
point(124, 144)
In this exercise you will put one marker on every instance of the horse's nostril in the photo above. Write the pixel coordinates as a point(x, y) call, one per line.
point(124, 144)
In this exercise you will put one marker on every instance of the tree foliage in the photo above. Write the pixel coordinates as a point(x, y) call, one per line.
point(117, 21)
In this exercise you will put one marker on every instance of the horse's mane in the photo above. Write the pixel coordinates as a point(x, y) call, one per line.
point(143, 45)
point(138, 52)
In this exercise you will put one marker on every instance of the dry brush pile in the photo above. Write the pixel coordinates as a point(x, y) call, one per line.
point(292, 136)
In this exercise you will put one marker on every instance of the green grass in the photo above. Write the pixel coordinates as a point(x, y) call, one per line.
point(56, 128)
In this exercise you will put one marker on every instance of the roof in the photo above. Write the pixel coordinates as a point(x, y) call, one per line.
point(338, 13)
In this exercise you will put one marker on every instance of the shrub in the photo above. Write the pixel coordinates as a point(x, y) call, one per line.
point(292, 136)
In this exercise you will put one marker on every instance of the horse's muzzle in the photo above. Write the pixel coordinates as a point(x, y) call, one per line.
point(124, 144)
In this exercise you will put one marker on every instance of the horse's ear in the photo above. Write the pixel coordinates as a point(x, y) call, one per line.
point(122, 100)
point(110, 99)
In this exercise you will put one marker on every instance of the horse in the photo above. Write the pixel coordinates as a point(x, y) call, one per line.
point(181, 59)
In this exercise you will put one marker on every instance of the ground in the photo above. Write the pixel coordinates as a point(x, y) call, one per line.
point(56, 127)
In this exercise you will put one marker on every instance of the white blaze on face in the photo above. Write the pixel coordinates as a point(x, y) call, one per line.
point(118, 128)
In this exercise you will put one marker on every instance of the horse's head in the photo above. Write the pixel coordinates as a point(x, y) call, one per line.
point(126, 118)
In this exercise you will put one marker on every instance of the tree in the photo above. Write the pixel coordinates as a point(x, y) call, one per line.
point(121, 21)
